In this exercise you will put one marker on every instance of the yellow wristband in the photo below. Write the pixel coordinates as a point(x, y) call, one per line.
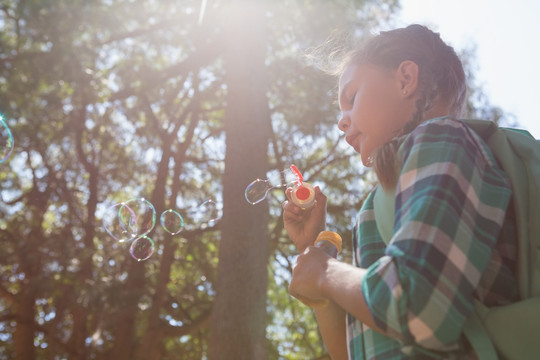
point(331, 237)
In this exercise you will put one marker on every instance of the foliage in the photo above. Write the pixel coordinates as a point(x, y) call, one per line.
point(113, 100)
point(110, 100)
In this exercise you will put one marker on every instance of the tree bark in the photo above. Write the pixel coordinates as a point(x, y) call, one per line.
point(79, 311)
point(24, 332)
point(125, 318)
point(237, 328)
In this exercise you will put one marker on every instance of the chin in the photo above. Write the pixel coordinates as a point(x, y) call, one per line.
point(367, 160)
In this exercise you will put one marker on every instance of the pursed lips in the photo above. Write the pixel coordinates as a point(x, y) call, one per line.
point(351, 140)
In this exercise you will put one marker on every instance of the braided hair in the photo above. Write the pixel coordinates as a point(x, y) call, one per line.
point(440, 78)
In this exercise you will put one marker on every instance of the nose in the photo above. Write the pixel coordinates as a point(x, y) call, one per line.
point(344, 123)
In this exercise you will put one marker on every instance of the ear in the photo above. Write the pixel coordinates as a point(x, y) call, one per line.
point(407, 76)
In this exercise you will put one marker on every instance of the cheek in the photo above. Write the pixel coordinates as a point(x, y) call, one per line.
point(384, 108)
point(377, 119)
point(372, 111)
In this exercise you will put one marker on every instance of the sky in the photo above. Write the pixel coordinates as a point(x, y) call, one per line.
point(506, 35)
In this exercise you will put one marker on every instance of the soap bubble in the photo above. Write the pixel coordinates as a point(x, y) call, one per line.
point(128, 220)
point(132, 220)
point(171, 221)
point(145, 216)
point(142, 248)
point(117, 221)
point(6, 141)
point(258, 190)
point(203, 215)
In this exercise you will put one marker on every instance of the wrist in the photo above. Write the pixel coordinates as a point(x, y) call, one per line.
point(328, 280)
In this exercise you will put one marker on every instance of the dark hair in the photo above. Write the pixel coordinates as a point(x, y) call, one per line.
point(440, 77)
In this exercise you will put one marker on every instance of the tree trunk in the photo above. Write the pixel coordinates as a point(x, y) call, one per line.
point(125, 318)
point(153, 336)
point(237, 329)
point(24, 332)
point(80, 312)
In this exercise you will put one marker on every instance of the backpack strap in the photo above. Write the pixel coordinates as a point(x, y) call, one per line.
point(477, 335)
point(518, 153)
point(384, 208)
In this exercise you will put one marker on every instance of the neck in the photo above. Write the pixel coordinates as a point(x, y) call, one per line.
point(439, 109)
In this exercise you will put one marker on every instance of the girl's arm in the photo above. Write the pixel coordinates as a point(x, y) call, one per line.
point(332, 325)
point(318, 276)
point(343, 285)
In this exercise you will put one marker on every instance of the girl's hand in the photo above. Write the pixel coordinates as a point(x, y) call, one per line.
point(309, 275)
point(303, 226)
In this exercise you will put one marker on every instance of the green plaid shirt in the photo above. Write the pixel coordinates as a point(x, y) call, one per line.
point(453, 240)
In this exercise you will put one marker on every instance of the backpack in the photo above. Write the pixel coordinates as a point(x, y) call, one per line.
point(511, 331)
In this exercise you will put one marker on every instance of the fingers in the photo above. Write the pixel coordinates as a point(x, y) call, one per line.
point(320, 197)
point(288, 193)
point(288, 205)
point(291, 211)
point(294, 212)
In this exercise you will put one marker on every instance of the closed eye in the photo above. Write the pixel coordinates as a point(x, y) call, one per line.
point(351, 101)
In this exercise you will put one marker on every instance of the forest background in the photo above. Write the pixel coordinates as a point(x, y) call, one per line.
point(177, 102)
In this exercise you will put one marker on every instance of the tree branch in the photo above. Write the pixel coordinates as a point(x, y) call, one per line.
point(202, 56)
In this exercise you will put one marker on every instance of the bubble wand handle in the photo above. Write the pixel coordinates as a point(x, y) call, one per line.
point(330, 243)
point(297, 173)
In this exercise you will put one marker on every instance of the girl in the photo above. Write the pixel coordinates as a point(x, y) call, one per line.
point(453, 238)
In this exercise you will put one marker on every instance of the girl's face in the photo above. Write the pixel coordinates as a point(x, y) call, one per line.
point(375, 104)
